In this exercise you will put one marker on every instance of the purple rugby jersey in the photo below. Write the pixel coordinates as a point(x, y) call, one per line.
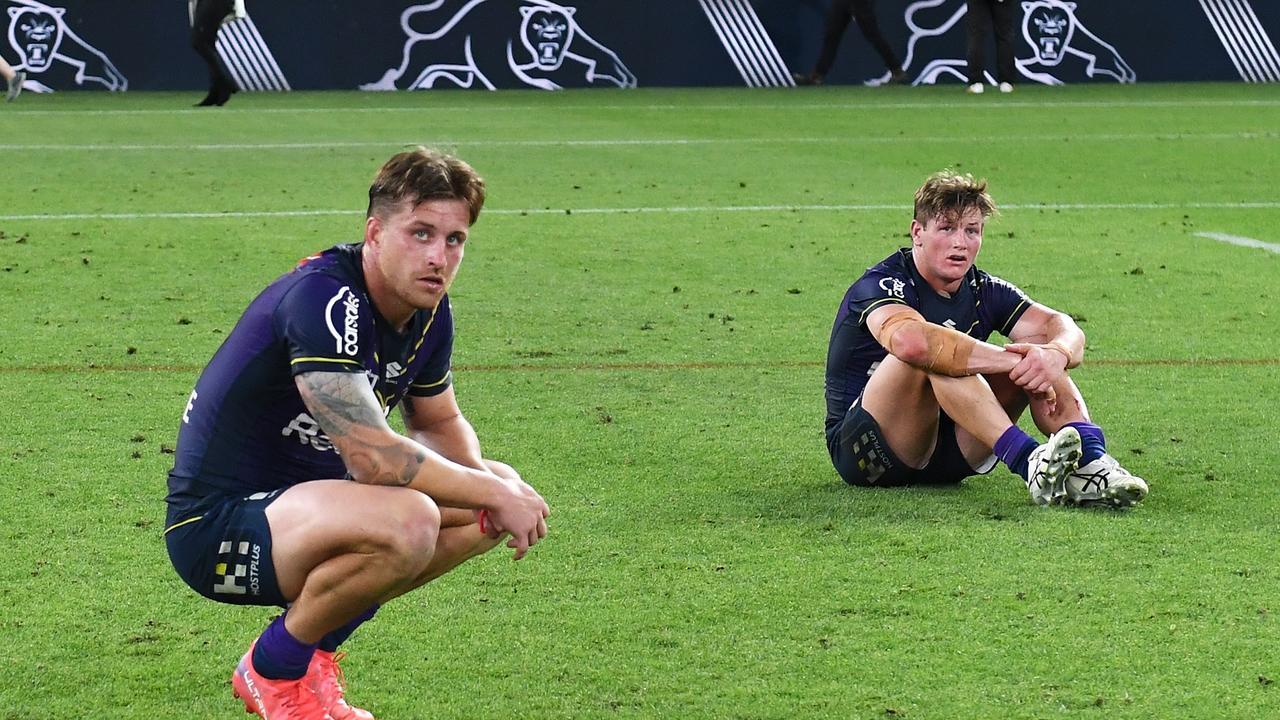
point(245, 428)
point(983, 304)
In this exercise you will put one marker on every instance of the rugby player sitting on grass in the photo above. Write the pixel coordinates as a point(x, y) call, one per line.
point(915, 394)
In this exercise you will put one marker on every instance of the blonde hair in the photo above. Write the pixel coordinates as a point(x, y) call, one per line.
point(422, 174)
point(948, 194)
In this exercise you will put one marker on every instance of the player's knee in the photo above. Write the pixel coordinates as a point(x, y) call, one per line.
point(501, 469)
point(893, 364)
point(895, 375)
point(409, 537)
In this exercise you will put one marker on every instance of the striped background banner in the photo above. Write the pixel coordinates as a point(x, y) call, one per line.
point(248, 58)
point(747, 42)
point(1244, 38)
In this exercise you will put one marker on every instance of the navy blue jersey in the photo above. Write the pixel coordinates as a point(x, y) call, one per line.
point(246, 430)
point(983, 304)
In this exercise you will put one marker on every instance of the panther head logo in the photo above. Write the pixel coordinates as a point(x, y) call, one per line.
point(1048, 26)
point(36, 34)
point(546, 32)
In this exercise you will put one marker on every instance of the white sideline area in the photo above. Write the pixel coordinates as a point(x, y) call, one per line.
point(1240, 240)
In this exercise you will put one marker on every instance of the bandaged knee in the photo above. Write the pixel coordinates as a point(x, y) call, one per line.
point(947, 352)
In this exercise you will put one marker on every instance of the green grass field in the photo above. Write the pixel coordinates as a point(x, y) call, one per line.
point(642, 321)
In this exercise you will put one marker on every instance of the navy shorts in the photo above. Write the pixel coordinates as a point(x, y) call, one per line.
point(222, 549)
point(862, 457)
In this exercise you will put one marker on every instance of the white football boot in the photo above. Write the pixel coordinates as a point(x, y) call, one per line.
point(1104, 482)
point(1050, 464)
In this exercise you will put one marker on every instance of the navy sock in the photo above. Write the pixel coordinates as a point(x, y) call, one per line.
point(1093, 443)
point(330, 642)
point(1014, 448)
point(279, 655)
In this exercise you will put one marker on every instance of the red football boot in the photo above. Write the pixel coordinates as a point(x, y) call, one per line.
point(328, 683)
point(275, 699)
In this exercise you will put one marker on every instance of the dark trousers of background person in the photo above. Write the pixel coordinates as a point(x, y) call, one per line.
point(998, 14)
point(834, 25)
point(205, 21)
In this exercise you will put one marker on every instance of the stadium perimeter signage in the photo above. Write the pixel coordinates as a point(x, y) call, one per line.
point(1057, 46)
point(51, 53)
point(495, 44)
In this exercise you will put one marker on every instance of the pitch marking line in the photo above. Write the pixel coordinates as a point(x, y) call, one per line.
point(233, 215)
point(871, 106)
point(1241, 241)
point(655, 366)
point(676, 142)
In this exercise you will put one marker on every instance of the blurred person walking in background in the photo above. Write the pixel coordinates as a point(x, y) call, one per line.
point(206, 17)
point(834, 24)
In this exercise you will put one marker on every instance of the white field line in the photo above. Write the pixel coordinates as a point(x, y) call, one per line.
point(561, 143)
point(871, 106)
point(213, 215)
point(1239, 240)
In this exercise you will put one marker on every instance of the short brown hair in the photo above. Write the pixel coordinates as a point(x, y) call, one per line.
point(948, 194)
point(422, 174)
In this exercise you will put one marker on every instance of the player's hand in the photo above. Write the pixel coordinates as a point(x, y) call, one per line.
point(521, 512)
point(1038, 369)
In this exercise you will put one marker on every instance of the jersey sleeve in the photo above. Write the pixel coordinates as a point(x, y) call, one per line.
point(1004, 302)
point(436, 374)
point(879, 286)
point(325, 324)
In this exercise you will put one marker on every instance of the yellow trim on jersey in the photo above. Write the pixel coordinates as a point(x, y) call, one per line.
point(418, 344)
point(343, 361)
point(427, 386)
point(1005, 329)
point(862, 319)
point(184, 522)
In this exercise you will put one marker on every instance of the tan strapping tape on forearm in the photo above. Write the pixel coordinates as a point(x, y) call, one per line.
point(948, 350)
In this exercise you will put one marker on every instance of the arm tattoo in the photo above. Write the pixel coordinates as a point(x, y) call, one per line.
point(345, 407)
point(340, 401)
point(412, 463)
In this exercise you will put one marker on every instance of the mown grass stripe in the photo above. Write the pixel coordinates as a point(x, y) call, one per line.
point(871, 207)
point(657, 366)
point(628, 142)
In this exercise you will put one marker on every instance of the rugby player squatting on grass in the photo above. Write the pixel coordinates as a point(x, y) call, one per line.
point(292, 409)
point(915, 394)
